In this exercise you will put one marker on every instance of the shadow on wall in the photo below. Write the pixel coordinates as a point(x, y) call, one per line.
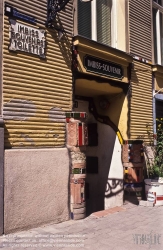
point(7, 144)
point(65, 43)
point(111, 187)
point(133, 85)
point(106, 186)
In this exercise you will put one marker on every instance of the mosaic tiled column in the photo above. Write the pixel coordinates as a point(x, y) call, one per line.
point(133, 163)
point(77, 140)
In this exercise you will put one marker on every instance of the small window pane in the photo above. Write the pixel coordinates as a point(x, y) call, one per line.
point(84, 19)
point(104, 21)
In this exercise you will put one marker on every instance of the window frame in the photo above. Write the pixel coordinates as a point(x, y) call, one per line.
point(113, 22)
point(159, 10)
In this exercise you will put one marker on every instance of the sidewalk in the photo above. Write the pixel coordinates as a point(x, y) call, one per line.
point(124, 228)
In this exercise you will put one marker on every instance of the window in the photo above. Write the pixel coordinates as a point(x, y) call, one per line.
point(94, 20)
point(158, 109)
point(158, 31)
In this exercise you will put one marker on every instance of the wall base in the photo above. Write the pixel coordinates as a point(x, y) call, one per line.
point(36, 188)
point(1, 178)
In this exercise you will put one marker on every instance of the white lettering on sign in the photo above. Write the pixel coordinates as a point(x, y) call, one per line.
point(27, 39)
point(104, 67)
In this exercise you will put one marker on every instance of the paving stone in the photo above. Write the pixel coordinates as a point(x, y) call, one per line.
point(100, 246)
point(129, 246)
point(75, 228)
point(112, 232)
point(105, 231)
point(110, 242)
point(97, 234)
point(91, 241)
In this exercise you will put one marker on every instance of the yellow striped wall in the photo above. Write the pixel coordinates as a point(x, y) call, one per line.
point(37, 92)
point(140, 106)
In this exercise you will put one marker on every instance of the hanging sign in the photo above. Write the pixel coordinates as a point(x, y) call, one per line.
point(99, 66)
point(27, 39)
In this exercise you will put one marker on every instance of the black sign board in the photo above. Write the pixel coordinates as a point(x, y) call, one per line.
point(99, 66)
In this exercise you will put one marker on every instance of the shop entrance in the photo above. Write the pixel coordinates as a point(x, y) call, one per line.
point(104, 171)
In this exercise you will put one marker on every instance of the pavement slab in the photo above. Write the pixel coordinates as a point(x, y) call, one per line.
point(127, 227)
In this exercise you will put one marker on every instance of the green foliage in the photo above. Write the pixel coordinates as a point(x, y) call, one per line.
point(155, 168)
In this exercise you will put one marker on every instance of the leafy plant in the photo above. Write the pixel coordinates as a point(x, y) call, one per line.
point(155, 166)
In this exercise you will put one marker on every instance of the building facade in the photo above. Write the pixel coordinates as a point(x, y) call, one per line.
point(101, 59)
point(36, 88)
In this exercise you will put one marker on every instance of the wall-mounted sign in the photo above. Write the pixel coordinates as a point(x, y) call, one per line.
point(27, 39)
point(12, 12)
point(99, 66)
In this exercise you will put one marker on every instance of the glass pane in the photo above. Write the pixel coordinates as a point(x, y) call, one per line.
point(154, 35)
point(104, 21)
point(160, 2)
point(84, 19)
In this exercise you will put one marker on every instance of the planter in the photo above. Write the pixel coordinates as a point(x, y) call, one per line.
point(154, 190)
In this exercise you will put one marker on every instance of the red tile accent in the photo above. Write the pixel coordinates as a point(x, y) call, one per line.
point(82, 115)
point(125, 153)
point(159, 198)
point(106, 212)
point(80, 136)
point(77, 198)
point(72, 134)
point(72, 188)
point(79, 165)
